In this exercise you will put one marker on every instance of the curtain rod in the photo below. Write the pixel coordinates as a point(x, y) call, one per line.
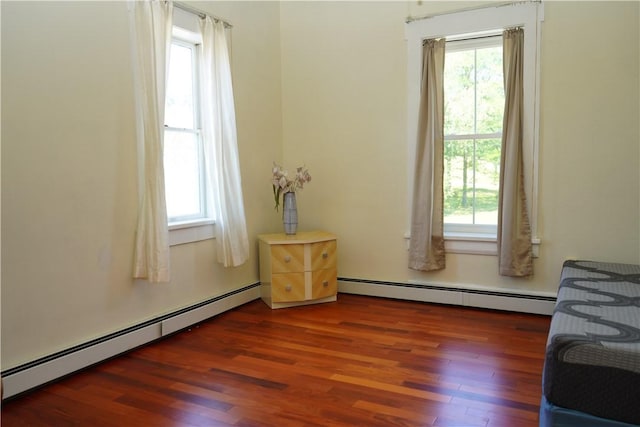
point(484, 6)
point(200, 13)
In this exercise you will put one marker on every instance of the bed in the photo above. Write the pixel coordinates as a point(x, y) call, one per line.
point(592, 364)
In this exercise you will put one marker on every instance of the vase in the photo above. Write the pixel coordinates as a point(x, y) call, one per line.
point(290, 213)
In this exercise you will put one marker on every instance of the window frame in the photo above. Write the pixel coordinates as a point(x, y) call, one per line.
point(475, 23)
point(187, 230)
point(474, 42)
point(194, 130)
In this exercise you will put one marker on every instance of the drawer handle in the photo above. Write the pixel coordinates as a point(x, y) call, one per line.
point(325, 255)
point(287, 258)
point(287, 288)
point(325, 283)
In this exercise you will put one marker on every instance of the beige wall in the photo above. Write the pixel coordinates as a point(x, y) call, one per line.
point(69, 194)
point(344, 115)
point(590, 135)
point(320, 83)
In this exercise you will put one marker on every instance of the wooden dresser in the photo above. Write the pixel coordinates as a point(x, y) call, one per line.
point(298, 269)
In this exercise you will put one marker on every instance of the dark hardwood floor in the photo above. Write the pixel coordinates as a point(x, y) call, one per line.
point(360, 361)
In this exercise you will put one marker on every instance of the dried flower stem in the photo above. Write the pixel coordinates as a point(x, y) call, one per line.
point(283, 184)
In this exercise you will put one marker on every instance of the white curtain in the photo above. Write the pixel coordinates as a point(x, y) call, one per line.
point(221, 146)
point(151, 41)
point(515, 255)
point(426, 248)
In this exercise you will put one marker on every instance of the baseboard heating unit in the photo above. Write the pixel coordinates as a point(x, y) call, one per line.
point(36, 373)
point(462, 295)
point(30, 375)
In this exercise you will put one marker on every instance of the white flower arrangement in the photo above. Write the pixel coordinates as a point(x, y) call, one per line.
point(282, 183)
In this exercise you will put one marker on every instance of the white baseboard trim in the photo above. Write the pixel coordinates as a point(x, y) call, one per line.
point(44, 370)
point(462, 295)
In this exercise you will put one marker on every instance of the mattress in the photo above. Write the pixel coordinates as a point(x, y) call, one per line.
point(555, 416)
point(592, 359)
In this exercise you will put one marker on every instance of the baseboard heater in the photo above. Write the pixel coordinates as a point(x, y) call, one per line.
point(36, 373)
point(462, 295)
point(28, 376)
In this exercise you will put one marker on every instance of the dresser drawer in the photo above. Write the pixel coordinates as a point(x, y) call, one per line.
point(323, 255)
point(324, 283)
point(288, 287)
point(287, 258)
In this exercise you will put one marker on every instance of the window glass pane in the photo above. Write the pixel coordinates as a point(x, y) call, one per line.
point(458, 182)
point(487, 181)
point(179, 92)
point(471, 181)
point(459, 80)
point(182, 175)
point(489, 90)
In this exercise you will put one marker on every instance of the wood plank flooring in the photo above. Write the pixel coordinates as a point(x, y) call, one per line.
point(360, 361)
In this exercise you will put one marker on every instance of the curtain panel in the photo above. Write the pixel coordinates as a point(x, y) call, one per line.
point(515, 254)
point(426, 248)
point(219, 133)
point(150, 23)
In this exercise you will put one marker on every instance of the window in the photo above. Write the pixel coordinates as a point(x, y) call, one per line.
point(188, 214)
point(473, 116)
point(183, 151)
point(473, 110)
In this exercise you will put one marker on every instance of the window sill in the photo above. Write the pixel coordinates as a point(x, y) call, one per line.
point(474, 244)
point(191, 231)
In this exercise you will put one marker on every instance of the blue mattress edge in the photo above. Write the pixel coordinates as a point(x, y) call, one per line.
point(556, 416)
